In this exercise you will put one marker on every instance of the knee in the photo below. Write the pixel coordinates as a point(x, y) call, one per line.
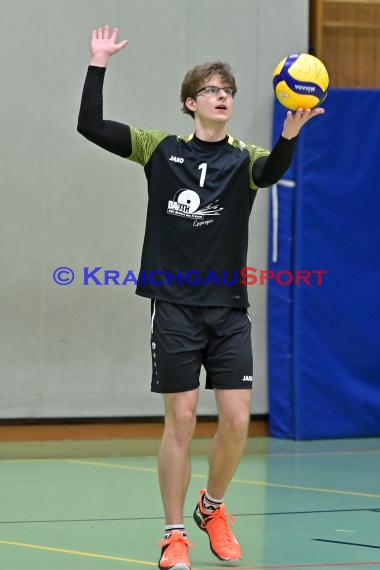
point(180, 424)
point(236, 425)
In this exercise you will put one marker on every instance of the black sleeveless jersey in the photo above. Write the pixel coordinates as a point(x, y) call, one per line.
point(196, 236)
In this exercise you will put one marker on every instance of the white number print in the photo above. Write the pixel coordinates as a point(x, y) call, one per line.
point(203, 168)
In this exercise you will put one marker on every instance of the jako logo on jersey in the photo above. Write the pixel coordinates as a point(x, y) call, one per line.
point(186, 204)
point(177, 159)
point(247, 379)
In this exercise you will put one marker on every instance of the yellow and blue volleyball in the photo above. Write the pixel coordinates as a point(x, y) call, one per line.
point(300, 81)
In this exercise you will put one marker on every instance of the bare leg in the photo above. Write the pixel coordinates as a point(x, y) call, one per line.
point(174, 454)
point(230, 438)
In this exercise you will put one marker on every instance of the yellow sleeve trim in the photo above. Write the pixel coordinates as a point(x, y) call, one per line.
point(144, 143)
point(255, 152)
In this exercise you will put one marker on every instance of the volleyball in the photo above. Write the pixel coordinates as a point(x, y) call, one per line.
point(300, 81)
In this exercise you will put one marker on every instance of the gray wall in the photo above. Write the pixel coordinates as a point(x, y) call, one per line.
point(68, 351)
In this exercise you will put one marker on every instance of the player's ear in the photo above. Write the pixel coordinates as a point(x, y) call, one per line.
point(191, 104)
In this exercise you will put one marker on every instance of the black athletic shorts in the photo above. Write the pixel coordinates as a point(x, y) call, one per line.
point(185, 337)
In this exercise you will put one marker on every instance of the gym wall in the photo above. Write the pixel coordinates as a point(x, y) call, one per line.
point(83, 351)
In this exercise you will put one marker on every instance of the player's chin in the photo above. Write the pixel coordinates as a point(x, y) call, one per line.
point(221, 115)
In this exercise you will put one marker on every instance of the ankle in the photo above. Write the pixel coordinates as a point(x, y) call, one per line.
point(169, 528)
point(210, 504)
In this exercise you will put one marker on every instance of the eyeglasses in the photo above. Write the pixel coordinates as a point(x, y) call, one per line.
point(212, 90)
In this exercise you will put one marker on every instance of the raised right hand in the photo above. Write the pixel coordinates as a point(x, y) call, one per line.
point(103, 45)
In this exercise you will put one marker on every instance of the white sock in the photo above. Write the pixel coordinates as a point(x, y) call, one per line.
point(170, 527)
point(210, 504)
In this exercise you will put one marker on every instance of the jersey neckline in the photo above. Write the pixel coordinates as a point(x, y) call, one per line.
point(209, 144)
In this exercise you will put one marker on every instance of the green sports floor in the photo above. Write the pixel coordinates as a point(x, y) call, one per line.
point(96, 505)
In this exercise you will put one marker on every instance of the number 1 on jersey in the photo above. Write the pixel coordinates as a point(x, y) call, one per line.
point(203, 168)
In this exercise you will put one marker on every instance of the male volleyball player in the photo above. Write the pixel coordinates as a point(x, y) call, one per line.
point(201, 190)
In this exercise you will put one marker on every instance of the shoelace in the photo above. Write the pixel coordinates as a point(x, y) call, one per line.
point(221, 518)
point(176, 542)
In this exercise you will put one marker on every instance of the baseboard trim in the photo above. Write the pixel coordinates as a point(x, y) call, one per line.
point(108, 428)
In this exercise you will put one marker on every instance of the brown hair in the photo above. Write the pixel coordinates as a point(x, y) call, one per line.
point(196, 76)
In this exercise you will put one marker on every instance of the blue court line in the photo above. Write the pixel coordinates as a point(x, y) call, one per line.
point(114, 519)
point(348, 543)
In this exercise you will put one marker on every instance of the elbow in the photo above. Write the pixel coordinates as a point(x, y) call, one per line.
point(266, 183)
point(85, 126)
point(262, 182)
point(81, 129)
point(85, 131)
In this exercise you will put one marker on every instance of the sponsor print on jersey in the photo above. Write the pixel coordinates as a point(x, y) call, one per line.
point(186, 204)
point(247, 378)
point(177, 159)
